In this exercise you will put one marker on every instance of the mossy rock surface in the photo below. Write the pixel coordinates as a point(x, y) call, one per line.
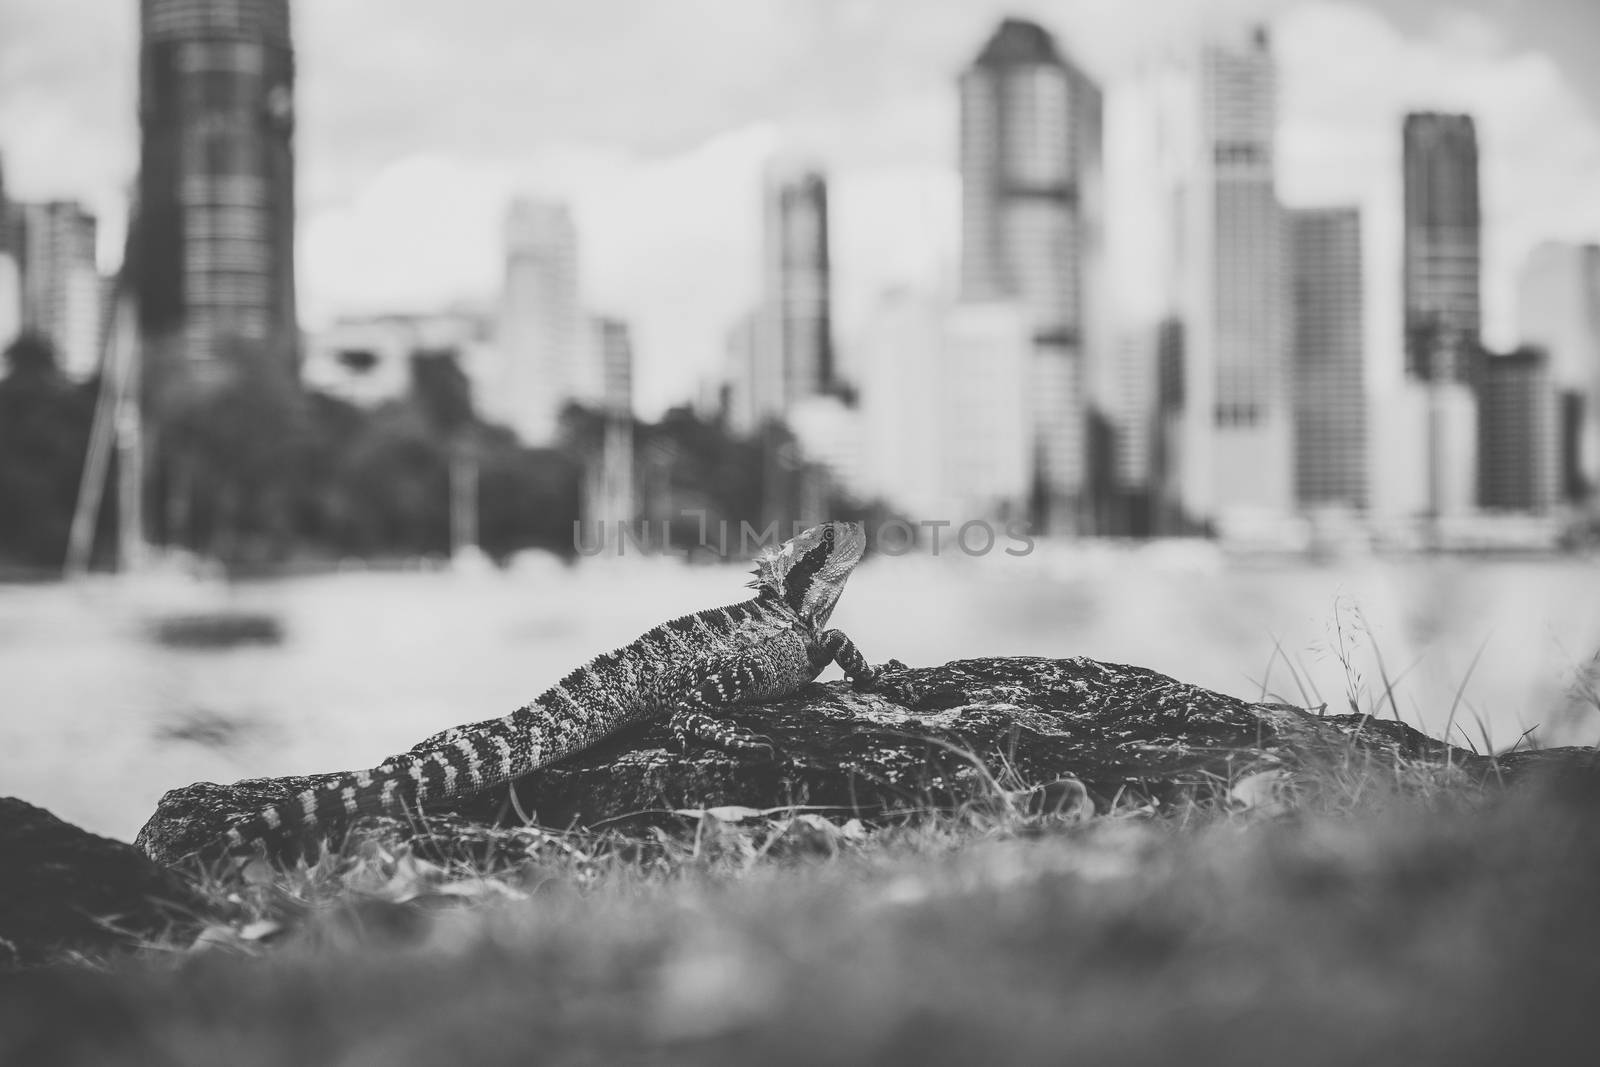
point(1069, 730)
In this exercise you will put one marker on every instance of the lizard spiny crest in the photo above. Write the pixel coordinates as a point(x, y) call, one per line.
point(809, 570)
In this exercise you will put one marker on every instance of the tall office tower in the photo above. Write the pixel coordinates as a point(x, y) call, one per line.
point(1330, 401)
point(988, 377)
point(797, 346)
point(1441, 274)
point(740, 399)
point(60, 283)
point(541, 336)
point(1443, 247)
point(1130, 427)
point(613, 353)
point(10, 269)
point(829, 432)
point(9, 240)
point(1559, 311)
point(1517, 432)
point(1236, 443)
point(1032, 223)
point(212, 242)
point(901, 401)
point(608, 485)
point(1166, 460)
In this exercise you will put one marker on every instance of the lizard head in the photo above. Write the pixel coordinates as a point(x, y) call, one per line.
point(809, 570)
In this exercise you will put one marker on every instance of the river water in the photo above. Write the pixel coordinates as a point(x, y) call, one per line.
point(98, 717)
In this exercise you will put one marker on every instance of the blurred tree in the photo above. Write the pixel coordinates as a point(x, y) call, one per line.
point(441, 391)
point(393, 487)
point(231, 450)
point(44, 433)
point(527, 497)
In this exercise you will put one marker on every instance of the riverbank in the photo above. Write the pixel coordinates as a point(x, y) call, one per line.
point(1370, 914)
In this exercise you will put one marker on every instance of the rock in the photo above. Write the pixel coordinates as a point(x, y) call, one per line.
point(976, 727)
point(65, 891)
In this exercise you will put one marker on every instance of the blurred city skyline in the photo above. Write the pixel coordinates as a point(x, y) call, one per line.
point(416, 132)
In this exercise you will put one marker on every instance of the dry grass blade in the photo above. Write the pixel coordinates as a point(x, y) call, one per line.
point(1461, 689)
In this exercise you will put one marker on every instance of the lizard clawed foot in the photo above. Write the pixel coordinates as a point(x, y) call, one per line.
point(694, 726)
point(757, 746)
point(904, 693)
point(901, 691)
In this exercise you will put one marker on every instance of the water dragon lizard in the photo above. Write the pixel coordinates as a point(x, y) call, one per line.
point(686, 670)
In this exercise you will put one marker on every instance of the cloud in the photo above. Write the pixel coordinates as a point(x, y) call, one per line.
point(68, 108)
point(417, 124)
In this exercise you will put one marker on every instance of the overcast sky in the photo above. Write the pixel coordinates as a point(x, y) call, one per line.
point(654, 118)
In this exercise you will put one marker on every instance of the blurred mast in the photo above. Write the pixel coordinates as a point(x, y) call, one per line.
point(116, 426)
point(463, 497)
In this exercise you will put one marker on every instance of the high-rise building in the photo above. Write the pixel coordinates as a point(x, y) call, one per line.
point(742, 389)
point(212, 244)
point(1442, 305)
point(1130, 428)
point(797, 346)
point(902, 368)
point(1442, 248)
point(1517, 432)
point(8, 242)
point(1235, 443)
point(1559, 311)
point(828, 433)
point(1032, 219)
point(613, 357)
point(60, 283)
point(541, 336)
point(1166, 459)
point(1330, 403)
point(10, 269)
point(608, 485)
point(987, 454)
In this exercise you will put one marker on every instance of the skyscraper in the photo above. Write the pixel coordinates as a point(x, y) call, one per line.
point(608, 483)
point(1558, 297)
point(541, 337)
point(212, 244)
point(742, 393)
point(60, 283)
point(1032, 234)
point(1443, 247)
point(1330, 404)
point(797, 347)
point(1442, 271)
point(1235, 443)
point(613, 354)
point(8, 242)
point(902, 400)
point(988, 377)
point(10, 268)
point(1517, 432)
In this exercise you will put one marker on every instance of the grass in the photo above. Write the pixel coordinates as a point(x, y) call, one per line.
point(1360, 913)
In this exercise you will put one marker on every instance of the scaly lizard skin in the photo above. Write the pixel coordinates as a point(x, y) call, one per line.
point(763, 648)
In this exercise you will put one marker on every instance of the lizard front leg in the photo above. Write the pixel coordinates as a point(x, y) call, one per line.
point(864, 677)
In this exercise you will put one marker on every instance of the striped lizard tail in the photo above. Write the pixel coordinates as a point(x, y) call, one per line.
point(463, 759)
